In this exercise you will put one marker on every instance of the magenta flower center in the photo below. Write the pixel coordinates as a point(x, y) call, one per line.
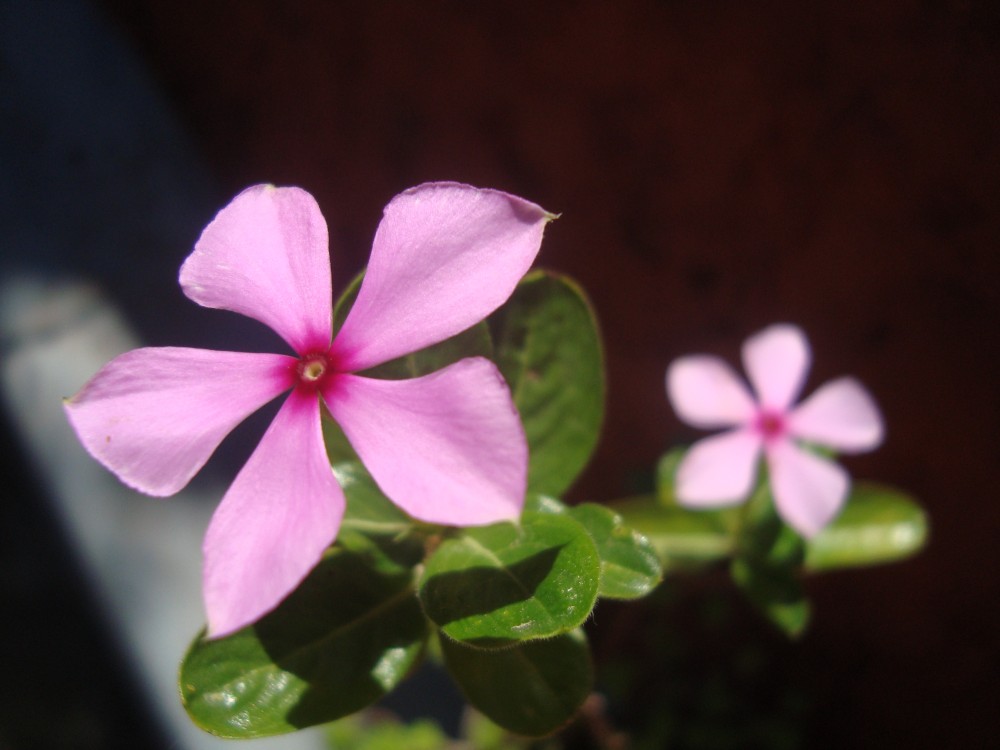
point(312, 370)
point(770, 424)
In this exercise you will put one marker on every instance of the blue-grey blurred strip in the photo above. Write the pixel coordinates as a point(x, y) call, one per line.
point(100, 199)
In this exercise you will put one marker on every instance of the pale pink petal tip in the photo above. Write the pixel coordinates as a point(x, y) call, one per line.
point(275, 522)
point(718, 470)
point(809, 491)
point(842, 415)
point(266, 256)
point(777, 361)
point(154, 416)
point(444, 257)
point(706, 393)
point(447, 447)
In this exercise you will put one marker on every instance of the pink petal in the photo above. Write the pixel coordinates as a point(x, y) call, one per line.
point(154, 416)
point(777, 360)
point(446, 447)
point(841, 415)
point(273, 525)
point(445, 256)
point(718, 470)
point(706, 393)
point(266, 256)
point(808, 490)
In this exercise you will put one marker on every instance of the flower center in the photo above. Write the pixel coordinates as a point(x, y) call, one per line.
point(312, 369)
point(771, 424)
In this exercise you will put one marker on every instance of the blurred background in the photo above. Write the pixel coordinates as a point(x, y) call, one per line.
point(719, 166)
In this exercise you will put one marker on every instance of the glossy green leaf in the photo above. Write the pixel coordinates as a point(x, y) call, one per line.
point(496, 585)
point(681, 538)
point(878, 524)
point(532, 689)
point(549, 349)
point(544, 504)
point(339, 642)
point(472, 342)
point(629, 566)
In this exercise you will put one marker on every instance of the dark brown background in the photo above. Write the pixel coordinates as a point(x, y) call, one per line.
point(718, 168)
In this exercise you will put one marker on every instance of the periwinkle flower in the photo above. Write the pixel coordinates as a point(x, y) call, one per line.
point(808, 489)
point(447, 447)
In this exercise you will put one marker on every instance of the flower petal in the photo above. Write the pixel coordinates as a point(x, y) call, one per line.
point(777, 360)
point(808, 490)
point(447, 447)
point(154, 416)
point(266, 256)
point(273, 525)
point(445, 256)
point(841, 415)
point(706, 393)
point(718, 470)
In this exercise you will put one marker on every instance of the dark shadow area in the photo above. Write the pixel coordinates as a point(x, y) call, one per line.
point(67, 682)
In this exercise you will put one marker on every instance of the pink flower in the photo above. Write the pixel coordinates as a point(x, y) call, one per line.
point(808, 490)
point(447, 448)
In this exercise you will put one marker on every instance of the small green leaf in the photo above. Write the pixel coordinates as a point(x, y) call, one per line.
point(878, 524)
point(479, 733)
point(531, 689)
point(767, 562)
point(496, 585)
point(362, 732)
point(339, 642)
point(472, 342)
point(776, 592)
point(666, 475)
point(549, 350)
point(681, 538)
point(629, 566)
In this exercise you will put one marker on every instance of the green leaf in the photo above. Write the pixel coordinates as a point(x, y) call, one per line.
point(368, 509)
point(479, 733)
point(549, 350)
point(666, 475)
point(496, 585)
point(346, 300)
point(362, 732)
point(472, 342)
point(347, 636)
point(338, 449)
point(629, 566)
point(879, 524)
point(767, 562)
point(544, 504)
point(776, 591)
point(681, 538)
point(532, 689)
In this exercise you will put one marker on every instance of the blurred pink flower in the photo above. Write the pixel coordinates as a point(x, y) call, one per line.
point(447, 448)
point(808, 490)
